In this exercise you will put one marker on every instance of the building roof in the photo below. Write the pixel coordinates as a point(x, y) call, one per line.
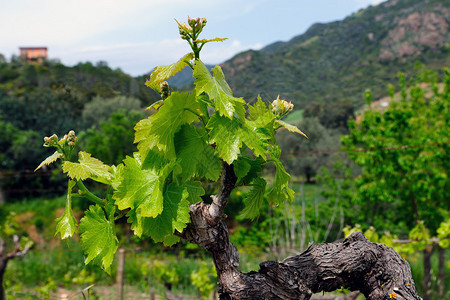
point(24, 48)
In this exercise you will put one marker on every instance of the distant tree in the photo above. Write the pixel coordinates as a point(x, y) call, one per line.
point(102, 64)
point(333, 115)
point(17, 159)
point(305, 157)
point(113, 140)
point(404, 156)
point(100, 109)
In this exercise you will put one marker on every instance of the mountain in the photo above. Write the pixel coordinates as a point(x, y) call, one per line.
point(339, 60)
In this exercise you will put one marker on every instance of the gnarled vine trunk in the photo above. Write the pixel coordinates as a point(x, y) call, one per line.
point(355, 263)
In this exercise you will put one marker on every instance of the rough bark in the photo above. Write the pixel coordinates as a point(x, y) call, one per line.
point(4, 258)
point(355, 263)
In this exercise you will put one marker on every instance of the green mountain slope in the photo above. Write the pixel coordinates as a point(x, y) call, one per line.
point(339, 60)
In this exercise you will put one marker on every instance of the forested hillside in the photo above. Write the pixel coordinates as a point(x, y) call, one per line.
point(339, 60)
point(39, 99)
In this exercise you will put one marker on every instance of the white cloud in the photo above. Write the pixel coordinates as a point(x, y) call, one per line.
point(219, 52)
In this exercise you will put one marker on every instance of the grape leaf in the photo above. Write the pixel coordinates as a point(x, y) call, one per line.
point(256, 166)
point(164, 72)
point(195, 191)
point(258, 130)
point(254, 199)
point(66, 225)
point(241, 168)
point(170, 240)
point(117, 175)
point(137, 222)
point(195, 156)
point(256, 138)
point(87, 167)
point(140, 189)
point(175, 215)
point(218, 90)
point(154, 160)
point(50, 159)
point(280, 190)
point(258, 109)
point(98, 237)
point(158, 130)
point(227, 135)
point(290, 127)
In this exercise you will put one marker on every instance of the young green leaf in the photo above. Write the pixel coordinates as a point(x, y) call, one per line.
point(159, 129)
point(195, 190)
point(98, 237)
point(170, 240)
point(280, 190)
point(258, 110)
point(218, 90)
point(140, 189)
point(256, 138)
point(50, 159)
point(87, 167)
point(117, 175)
point(226, 133)
point(290, 128)
point(162, 73)
point(195, 156)
point(175, 215)
point(248, 174)
point(241, 168)
point(66, 225)
point(254, 199)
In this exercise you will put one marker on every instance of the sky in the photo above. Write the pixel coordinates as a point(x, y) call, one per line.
point(137, 35)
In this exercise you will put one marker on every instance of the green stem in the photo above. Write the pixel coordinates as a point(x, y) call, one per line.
point(89, 195)
point(189, 64)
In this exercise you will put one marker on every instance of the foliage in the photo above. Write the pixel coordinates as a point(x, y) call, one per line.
point(114, 139)
point(404, 156)
point(155, 185)
point(204, 279)
point(37, 99)
point(101, 109)
point(305, 157)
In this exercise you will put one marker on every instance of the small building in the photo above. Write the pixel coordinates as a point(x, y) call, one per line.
point(33, 54)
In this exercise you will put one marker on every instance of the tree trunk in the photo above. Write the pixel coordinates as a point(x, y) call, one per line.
point(4, 258)
point(3, 262)
point(441, 273)
point(355, 263)
point(426, 283)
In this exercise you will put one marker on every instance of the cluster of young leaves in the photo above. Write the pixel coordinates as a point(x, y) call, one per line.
point(183, 143)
